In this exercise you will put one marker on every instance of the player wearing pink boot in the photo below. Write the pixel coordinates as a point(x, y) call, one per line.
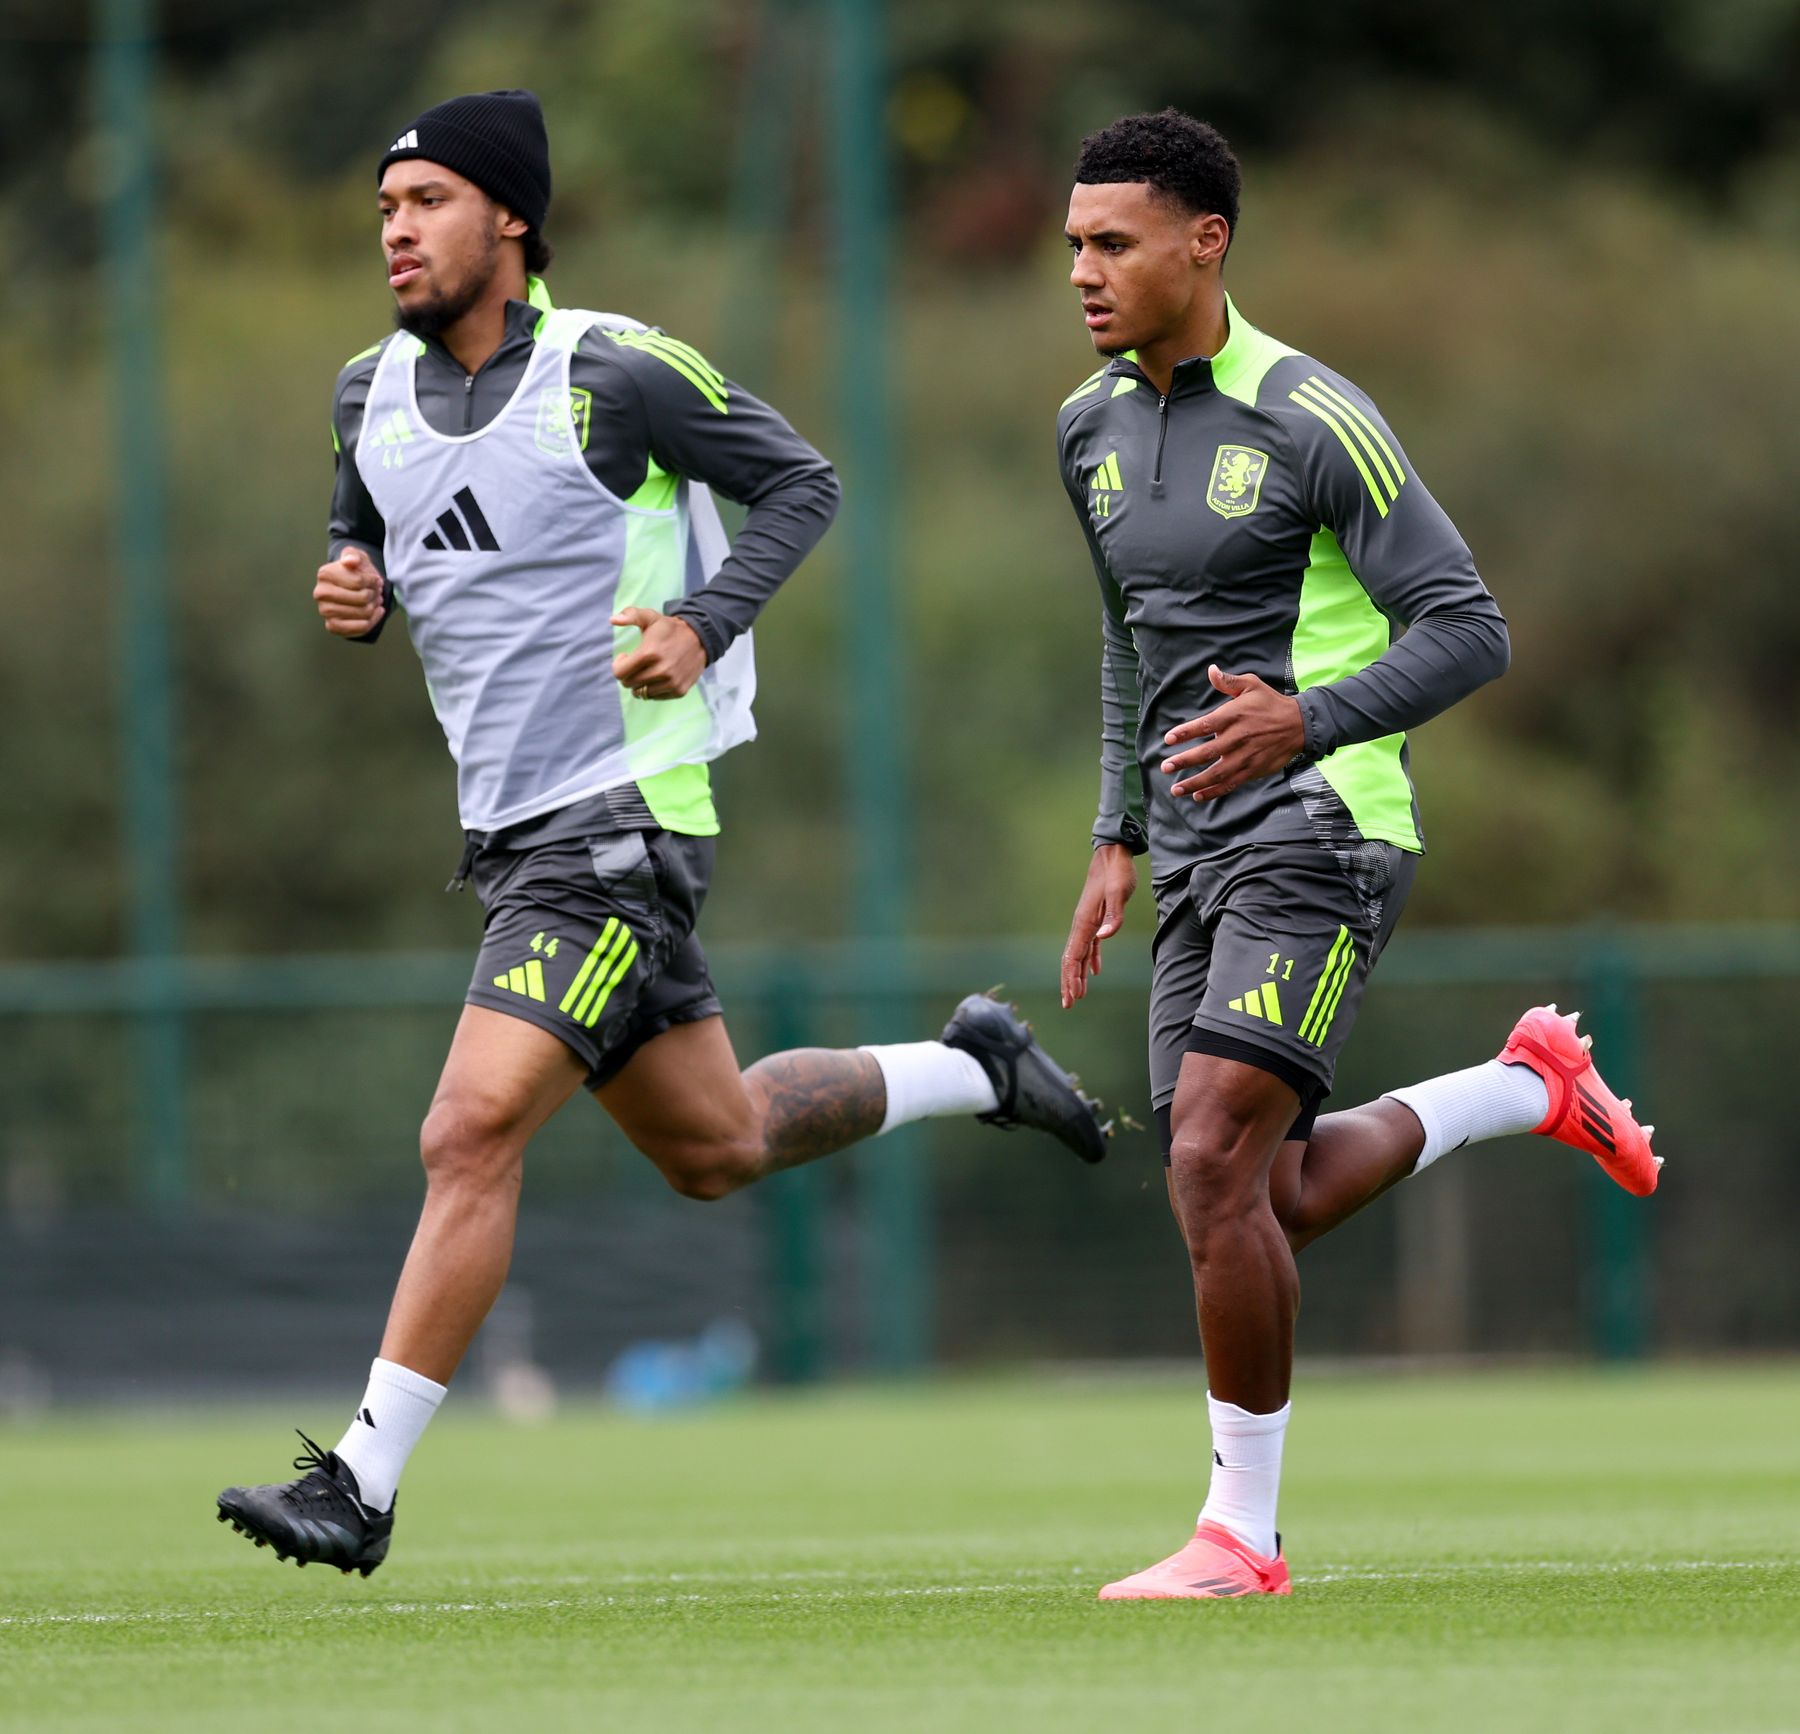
point(1543, 1081)
point(1281, 602)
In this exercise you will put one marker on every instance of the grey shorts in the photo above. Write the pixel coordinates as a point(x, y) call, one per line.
point(592, 939)
point(1264, 956)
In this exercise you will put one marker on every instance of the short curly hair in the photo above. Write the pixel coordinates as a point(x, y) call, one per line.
point(1185, 161)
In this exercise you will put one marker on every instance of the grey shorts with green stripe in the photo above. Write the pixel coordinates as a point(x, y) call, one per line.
point(1263, 956)
point(592, 938)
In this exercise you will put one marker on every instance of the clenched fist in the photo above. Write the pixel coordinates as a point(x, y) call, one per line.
point(667, 659)
point(349, 595)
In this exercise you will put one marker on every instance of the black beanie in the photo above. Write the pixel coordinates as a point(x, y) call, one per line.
point(497, 140)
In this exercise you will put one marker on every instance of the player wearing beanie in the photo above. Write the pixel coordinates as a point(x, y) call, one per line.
point(529, 487)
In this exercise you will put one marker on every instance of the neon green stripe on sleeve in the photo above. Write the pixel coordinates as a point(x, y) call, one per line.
point(671, 357)
point(1362, 422)
point(688, 353)
point(1356, 457)
point(1318, 402)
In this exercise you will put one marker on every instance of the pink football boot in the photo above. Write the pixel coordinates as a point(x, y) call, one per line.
point(1215, 1564)
point(1584, 1113)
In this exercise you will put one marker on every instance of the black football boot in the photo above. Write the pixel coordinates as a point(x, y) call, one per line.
point(319, 1517)
point(1033, 1089)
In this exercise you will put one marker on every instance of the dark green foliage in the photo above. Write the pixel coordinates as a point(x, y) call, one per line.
point(1589, 375)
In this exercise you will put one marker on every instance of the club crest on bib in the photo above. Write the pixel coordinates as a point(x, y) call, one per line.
point(1237, 479)
point(562, 420)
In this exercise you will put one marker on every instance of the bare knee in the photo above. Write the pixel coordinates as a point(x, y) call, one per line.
point(469, 1141)
point(1218, 1175)
point(1211, 1179)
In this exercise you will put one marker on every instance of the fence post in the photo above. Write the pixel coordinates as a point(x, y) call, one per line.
point(1618, 1287)
point(892, 1177)
point(123, 68)
point(762, 193)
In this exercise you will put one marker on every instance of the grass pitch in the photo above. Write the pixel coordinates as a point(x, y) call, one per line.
point(1578, 1552)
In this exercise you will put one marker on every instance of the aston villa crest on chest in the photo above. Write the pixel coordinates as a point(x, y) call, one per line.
point(562, 420)
point(1237, 479)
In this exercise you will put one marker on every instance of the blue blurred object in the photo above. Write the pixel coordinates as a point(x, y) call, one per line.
point(652, 1376)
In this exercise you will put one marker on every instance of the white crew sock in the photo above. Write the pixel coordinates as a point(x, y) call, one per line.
point(388, 1425)
point(1246, 1472)
point(926, 1080)
point(1487, 1101)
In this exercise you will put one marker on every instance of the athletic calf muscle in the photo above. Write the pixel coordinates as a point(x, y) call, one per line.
point(815, 1101)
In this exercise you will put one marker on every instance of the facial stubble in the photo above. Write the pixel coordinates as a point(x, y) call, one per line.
point(436, 315)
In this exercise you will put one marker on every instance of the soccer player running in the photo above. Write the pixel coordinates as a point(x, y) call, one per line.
point(1255, 525)
point(528, 486)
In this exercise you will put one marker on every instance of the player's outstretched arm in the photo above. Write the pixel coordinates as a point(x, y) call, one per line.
point(350, 595)
point(1099, 914)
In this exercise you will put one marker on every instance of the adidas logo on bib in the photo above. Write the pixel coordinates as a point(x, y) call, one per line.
point(465, 531)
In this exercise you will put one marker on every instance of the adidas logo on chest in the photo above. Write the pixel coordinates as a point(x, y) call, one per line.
point(463, 527)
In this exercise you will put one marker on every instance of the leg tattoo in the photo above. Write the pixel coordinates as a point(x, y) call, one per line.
point(815, 1101)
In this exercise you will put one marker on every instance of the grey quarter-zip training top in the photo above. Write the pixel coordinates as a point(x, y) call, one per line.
point(1262, 516)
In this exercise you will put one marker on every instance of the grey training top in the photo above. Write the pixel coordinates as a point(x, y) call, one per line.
point(1263, 517)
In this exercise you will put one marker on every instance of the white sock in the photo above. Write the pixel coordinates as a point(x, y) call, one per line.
point(1487, 1101)
point(926, 1080)
point(388, 1425)
point(1246, 1472)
